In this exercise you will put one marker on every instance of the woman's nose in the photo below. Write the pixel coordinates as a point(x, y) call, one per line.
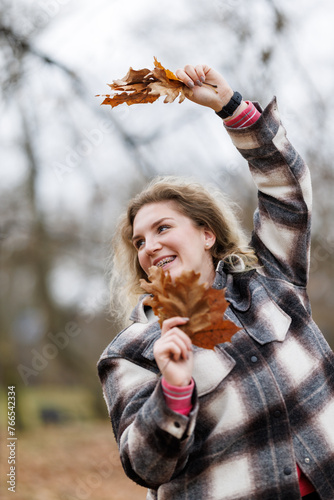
point(152, 246)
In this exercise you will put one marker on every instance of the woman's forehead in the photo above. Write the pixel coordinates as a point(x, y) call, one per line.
point(150, 209)
point(152, 212)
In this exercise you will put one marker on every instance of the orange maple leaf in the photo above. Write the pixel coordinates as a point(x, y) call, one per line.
point(144, 85)
point(186, 297)
point(169, 74)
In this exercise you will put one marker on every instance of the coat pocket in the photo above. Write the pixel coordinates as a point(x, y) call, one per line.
point(264, 321)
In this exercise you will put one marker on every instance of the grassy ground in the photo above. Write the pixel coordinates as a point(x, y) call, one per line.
point(68, 462)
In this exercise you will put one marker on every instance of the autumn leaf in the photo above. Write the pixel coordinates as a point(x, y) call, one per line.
point(186, 297)
point(145, 85)
point(169, 74)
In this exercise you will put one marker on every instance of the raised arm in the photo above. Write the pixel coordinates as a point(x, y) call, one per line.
point(281, 234)
point(282, 221)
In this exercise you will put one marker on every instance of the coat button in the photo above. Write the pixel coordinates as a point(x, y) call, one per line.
point(277, 413)
point(287, 471)
point(307, 460)
point(177, 424)
point(253, 359)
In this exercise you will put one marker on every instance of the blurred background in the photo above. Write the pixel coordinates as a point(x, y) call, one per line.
point(68, 167)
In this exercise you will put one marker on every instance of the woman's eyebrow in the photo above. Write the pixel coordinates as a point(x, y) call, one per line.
point(153, 225)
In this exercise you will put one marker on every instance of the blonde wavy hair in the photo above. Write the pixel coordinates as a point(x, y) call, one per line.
point(206, 208)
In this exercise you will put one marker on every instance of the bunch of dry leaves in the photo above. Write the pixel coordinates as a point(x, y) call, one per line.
point(188, 298)
point(145, 85)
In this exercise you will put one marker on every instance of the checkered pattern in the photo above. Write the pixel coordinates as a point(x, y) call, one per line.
point(264, 401)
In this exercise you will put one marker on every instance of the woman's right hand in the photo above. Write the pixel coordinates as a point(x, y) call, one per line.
point(209, 88)
point(173, 352)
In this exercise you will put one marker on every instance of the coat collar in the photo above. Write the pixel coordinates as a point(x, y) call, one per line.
point(140, 313)
point(238, 295)
point(236, 284)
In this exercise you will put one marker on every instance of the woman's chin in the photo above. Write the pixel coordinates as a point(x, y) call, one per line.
point(174, 272)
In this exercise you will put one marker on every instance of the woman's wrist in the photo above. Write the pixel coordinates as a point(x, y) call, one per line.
point(242, 106)
point(178, 381)
point(178, 398)
point(222, 99)
point(243, 117)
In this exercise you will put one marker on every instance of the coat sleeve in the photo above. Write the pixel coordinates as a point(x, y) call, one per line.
point(281, 236)
point(154, 441)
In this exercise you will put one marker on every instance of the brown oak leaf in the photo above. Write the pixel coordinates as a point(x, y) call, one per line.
point(145, 85)
point(186, 297)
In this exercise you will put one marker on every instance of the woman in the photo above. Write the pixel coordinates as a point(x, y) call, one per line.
point(253, 418)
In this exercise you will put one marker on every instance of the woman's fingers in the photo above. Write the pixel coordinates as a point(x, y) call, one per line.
point(173, 348)
point(170, 327)
point(175, 342)
point(209, 88)
point(185, 78)
point(192, 75)
point(171, 322)
point(201, 70)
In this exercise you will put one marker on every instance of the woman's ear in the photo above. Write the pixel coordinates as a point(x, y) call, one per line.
point(209, 238)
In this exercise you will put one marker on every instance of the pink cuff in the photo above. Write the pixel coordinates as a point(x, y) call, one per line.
point(246, 118)
point(178, 399)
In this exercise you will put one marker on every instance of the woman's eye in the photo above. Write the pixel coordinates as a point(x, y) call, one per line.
point(139, 243)
point(163, 228)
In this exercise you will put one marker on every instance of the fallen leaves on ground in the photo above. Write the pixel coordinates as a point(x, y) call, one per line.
point(145, 85)
point(186, 297)
point(70, 462)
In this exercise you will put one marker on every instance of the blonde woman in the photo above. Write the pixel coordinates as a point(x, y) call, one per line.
point(253, 418)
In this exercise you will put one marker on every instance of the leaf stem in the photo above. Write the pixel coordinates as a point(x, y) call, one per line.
point(214, 87)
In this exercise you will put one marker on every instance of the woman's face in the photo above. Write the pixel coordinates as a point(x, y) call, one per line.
point(166, 238)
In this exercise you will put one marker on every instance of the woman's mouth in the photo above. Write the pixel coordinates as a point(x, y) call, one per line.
point(166, 260)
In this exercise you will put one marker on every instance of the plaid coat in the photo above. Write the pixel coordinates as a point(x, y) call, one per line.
point(262, 402)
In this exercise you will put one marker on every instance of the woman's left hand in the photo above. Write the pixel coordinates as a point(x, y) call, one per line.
point(173, 352)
